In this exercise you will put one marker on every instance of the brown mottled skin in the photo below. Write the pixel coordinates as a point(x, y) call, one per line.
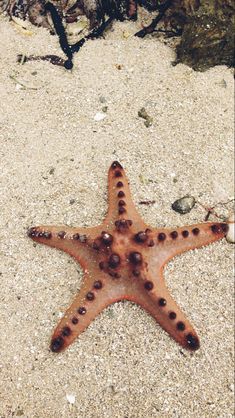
point(123, 258)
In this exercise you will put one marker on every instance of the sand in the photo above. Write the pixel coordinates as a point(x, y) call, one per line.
point(53, 152)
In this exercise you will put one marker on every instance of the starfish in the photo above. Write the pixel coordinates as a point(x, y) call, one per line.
point(123, 258)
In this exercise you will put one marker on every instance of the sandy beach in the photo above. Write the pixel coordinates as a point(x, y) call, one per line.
point(54, 161)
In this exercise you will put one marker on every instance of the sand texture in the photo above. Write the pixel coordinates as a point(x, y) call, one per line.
point(54, 158)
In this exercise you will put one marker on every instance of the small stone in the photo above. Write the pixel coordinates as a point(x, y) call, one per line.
point(230, 236)
point(142, 113)
point(70, 398)
point(99, 116)
point(72, 201)
point(104, 109)
point(184, 205)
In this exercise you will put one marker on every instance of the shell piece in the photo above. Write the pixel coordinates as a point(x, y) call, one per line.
point(99, 116)
point(230, 236)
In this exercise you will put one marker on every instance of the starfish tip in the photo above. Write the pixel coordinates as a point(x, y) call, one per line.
point(193, 342)
point(116, 164)
point(57, 344)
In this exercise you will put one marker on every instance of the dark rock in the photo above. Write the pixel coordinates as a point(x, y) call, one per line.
point(184, 205)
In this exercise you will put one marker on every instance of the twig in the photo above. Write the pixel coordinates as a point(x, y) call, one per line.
point(211, 210)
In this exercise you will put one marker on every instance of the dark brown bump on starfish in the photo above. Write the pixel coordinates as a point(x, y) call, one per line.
point(74, 320)
point(162, 302)
point(174, 234)
point(107, 238)
point(216, 229)
point(61, 234)
point(115, 165)
point(136, 272)
point(56, 344)
point(195, 231)
point(30, 232)
point(76, 237)
point(180, 326)
point(118, 173)
point(140, 237)
point(135, 257)
point(83, 238)
point(192, 342)
point(148, 285)
point(161, 236)
point(121, 194)
point(82, 310)
point(172, 315)
point(122, 224)
point(66, 331)
point(151, 243)
point(121, 203)
point(121, 210)
point(185, 233)
point(97, 285)
point(114, 261)
point(47, 234)
point(119, 184)
point(90, 296)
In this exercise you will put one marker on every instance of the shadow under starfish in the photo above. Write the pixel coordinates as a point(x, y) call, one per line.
point(123, 258)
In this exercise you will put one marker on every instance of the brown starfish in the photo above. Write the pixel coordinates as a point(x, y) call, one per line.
point(123, 258)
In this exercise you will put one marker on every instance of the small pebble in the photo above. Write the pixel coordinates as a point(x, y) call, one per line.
point(144, 115)
point(230, 237)
point(99, 116)
point(184, 205)
point(70, 398)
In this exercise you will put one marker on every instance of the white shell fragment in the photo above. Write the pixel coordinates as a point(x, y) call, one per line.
point(70, 398)
point(230, 237)
point(99, 116)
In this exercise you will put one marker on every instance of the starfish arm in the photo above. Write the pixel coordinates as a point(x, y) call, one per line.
point(171, 242)
point(154, 297)
point(77, 242)
point(94, 296)
point(119, 197)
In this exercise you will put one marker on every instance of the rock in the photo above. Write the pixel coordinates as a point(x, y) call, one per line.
point(184, 205)
point(207, 28)
point(230, 236)
point(144, 115)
